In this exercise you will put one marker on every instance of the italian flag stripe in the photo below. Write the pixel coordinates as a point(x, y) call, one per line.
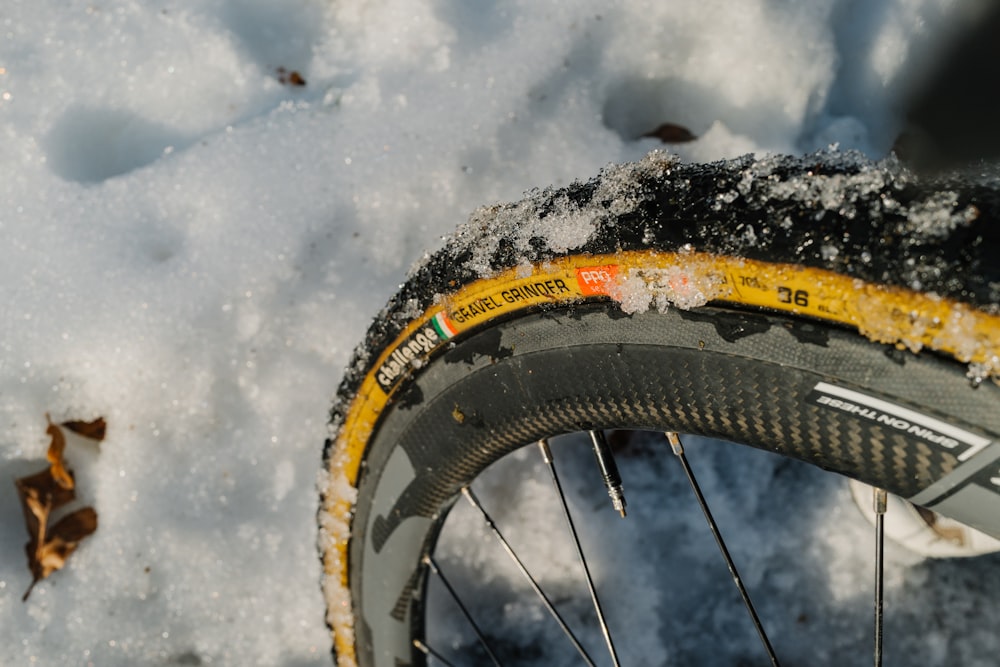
point(444, 328)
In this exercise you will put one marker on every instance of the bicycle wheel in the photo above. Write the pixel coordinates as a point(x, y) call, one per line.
point(828, 309)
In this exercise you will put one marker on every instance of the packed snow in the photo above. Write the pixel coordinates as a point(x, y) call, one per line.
point(204, 203)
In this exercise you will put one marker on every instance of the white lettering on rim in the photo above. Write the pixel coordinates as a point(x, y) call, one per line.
point(975, 442)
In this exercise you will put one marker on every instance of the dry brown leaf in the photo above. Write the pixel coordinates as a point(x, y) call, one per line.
point(43, 493)
point(40, 494)
point(62, 540)
point(95, 430)
point(55, 455)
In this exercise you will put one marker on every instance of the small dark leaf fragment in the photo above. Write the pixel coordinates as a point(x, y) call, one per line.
point(290, 77)
point(671, 133)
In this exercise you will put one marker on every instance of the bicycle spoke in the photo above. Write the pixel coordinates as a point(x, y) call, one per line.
point(678, 449)
point(609, 470)
point(428, 651)
point(880, 500)
point(471, 497)
point(429, 562)
point(550, 463)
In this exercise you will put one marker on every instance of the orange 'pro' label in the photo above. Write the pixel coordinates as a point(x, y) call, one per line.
point(596, 280)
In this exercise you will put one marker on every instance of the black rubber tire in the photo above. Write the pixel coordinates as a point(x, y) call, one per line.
point(438, 406)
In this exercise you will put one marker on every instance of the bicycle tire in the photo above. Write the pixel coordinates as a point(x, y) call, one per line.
point(831, 309)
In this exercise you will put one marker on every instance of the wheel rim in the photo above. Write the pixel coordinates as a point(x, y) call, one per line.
point(423, 499)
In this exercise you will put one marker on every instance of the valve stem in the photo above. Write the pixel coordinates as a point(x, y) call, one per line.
point(609, 471)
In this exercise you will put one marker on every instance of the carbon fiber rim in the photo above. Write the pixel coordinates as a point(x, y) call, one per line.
point(747, 377)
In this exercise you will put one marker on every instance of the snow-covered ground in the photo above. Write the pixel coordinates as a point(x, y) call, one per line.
point(192, 246)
